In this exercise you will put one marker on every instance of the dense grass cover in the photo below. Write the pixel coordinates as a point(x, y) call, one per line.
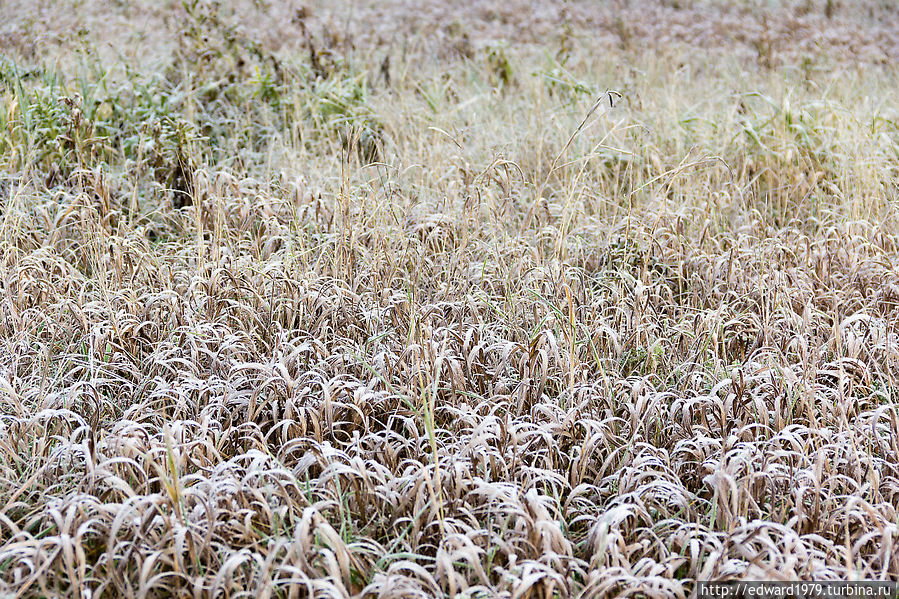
point(517, 300)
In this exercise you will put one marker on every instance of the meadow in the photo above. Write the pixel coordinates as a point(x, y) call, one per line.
point(439, 299)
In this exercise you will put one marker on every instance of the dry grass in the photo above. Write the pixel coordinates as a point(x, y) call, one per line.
point(328, 302)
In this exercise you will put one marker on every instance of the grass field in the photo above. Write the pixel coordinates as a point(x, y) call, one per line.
point(444, 300)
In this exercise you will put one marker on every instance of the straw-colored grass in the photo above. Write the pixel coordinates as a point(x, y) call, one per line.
point(520, 301)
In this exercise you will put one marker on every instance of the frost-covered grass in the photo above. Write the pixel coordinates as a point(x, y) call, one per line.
point(480, 301)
